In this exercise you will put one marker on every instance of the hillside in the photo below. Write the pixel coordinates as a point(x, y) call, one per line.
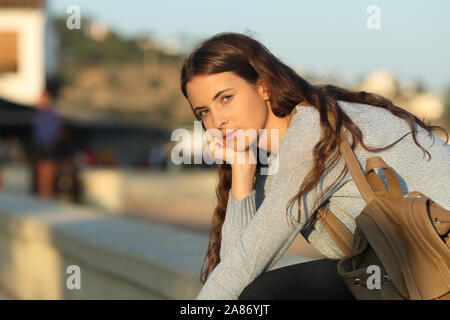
point(130, 79)
point(137, 80)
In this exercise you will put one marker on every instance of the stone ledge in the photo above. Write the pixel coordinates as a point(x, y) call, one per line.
point(157, 259)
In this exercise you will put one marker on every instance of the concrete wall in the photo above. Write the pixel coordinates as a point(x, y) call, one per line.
point(147, 193)
point(120, 190)
point(185, 199)
point(16, 178)
point(119, 257)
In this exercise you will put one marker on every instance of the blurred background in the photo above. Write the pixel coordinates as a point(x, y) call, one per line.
point(89, 95)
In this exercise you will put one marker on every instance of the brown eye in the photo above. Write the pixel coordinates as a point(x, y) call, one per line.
point(228, 97)
point(199, 115)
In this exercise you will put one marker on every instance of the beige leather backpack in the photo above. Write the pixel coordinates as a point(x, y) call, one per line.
point(405, 236)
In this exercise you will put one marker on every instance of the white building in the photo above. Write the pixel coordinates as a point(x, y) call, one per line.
point(28, 48)
point(381, 82)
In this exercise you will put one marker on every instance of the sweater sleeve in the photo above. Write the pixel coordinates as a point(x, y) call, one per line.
point(269, 233)
point(238, 215)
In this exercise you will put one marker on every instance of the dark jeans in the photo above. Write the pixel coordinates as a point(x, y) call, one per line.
point(313, 280)
point(46, 151)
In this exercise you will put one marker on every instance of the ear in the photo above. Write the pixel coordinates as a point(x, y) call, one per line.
point(263, 89)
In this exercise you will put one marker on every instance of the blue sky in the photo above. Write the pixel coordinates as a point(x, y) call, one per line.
point(325, 37)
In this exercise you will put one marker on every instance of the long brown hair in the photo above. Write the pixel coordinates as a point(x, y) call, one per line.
point(252, 61)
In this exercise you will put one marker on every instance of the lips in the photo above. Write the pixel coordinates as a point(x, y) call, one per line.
point(230, 135)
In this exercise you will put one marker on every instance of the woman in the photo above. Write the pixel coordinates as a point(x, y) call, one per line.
point(233, 82)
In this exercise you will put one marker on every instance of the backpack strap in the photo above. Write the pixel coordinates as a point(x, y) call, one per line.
point(355, 170)
point(369, 185)
point(375, 181)
point(337, 231)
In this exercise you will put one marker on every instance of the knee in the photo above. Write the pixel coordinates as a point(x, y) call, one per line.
point(246, 294)
point(256, 290)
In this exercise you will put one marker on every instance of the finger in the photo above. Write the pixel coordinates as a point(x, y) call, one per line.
point(212, 148)
point(212, 143)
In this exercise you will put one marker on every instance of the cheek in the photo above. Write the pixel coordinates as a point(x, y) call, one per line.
point(252, 112)
point(253, 121)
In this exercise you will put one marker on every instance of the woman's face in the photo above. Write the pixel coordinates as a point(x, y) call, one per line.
point(226, 102)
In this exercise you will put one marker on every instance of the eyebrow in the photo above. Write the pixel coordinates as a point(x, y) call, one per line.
point(215, 97)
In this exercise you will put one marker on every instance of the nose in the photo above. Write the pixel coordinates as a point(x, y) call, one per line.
point(220, 120)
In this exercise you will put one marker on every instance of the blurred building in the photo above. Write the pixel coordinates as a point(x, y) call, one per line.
point(29, 48)
point(410, 96)
point(427, 105)
point(382, 82)
point(28, 57)
point(28, 60)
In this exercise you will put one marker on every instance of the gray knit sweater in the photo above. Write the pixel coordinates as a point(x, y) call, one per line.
point(256, 232)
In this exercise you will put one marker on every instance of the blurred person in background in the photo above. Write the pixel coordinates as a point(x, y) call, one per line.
point(12, 152)
point(106, 156)
point(67, 181)
point(156, 156)
point(15, 150)
point(46, 132)
point(88, 158)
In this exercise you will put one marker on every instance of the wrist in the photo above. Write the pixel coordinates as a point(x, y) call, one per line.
point(245, 169)
point(242, 181)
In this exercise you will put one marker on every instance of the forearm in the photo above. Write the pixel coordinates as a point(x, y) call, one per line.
point(240, 208)
point(239, 214)
point(242, 180)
